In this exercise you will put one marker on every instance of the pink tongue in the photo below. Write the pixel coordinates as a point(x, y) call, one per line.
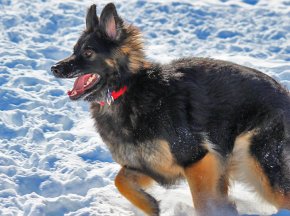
point(79, 84)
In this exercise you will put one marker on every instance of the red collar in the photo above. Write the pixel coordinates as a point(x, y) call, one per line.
point(112, 96)
point(116, 94)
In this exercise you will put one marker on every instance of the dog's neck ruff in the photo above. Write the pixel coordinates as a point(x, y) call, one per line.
point(112, 96)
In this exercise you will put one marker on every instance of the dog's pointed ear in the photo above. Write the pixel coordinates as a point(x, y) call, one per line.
point(110, 23)
point(92, 21)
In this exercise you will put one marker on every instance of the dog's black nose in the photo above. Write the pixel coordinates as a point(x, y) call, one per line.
point(57, 70)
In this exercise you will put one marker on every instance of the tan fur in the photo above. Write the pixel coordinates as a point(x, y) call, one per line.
point(111, 63)
point(159, 159)
point(164, 163)
point(246, 168)
point(272, 195)
point(157, 155)
point(224, 179)
point(132, 47)
point(129, 184)
point(204, 181)
point(239, 164)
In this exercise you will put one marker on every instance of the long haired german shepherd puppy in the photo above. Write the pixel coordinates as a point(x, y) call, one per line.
point(199, 119)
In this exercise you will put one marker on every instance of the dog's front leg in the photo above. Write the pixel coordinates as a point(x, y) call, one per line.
point(131, 185)
point(208, 184)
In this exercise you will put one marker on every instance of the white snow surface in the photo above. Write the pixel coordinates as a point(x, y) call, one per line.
point(52, 161)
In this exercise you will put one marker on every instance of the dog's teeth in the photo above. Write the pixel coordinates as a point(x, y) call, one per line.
point(74, 93)
point(91, 78)
point(88, 81)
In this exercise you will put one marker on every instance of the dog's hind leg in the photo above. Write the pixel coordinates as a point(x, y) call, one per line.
point(208, 183)
point(131, 185)
point(270, 151)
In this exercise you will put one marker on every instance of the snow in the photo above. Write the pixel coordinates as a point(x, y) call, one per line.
point(52, 162)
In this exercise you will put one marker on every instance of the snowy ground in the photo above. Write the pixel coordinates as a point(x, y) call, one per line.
point(52, 162)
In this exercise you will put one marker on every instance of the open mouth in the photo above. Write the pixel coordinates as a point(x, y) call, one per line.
point(83, 84)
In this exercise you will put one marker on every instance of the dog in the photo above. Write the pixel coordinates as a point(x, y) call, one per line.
point(203, 120)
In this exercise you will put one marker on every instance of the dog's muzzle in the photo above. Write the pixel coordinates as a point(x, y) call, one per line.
point(64, 68)
point(57, 70)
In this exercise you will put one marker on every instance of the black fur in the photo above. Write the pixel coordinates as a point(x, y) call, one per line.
point(187, 103)
point(189, 99)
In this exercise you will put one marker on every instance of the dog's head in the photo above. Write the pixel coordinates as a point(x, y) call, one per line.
point(105, 56)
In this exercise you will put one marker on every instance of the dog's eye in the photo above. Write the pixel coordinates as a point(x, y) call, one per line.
point(88, 53)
